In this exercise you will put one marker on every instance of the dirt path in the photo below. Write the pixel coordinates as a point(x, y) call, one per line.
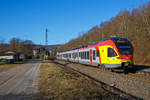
point(19, 83)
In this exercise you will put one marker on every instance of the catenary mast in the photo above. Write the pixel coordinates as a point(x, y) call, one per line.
point(46, 37)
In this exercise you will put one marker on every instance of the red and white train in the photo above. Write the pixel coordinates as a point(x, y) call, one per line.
point(113, 53)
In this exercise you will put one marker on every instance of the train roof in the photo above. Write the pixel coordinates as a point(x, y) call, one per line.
point(112, 38)
point(115, 39)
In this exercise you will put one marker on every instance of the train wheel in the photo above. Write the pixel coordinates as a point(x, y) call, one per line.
point(126, 71)
point(111, 70)
point(102, 66)
point(132, 70)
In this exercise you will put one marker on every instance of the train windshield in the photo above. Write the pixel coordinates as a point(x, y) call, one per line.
point(124, 47)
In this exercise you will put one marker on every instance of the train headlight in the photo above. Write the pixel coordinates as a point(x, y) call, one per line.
point(126, 64)
point(119, 58)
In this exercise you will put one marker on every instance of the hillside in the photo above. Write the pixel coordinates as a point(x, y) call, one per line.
point(51, 47)
point(4, 47)
point(133, 25)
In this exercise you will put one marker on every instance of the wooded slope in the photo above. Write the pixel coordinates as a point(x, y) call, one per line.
point(134, 25)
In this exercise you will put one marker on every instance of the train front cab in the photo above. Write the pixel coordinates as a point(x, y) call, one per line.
point(111, 58)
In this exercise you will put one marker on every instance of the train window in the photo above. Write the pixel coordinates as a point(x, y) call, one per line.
point(88, 55)
point(111, 52)
point(79, 54)
point(82, 55)
point(94, 54)
point(97, 53)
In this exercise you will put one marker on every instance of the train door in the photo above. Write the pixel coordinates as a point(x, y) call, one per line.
point(78, 56)
point(94, 58)
point(91, 56)
point(103, 53)
point(74, 57)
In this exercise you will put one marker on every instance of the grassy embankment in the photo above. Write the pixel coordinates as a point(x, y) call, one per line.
point(56, 83)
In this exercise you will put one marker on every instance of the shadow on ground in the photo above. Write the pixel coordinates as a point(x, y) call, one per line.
point(141, 67)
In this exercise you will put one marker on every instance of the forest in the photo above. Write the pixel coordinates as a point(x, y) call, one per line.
point(133, 25)
point(19, 46)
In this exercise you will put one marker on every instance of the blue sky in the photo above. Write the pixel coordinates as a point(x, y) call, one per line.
point(65, 19)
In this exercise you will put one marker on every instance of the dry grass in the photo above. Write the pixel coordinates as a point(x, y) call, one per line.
point(5, 67)
point(56, 83)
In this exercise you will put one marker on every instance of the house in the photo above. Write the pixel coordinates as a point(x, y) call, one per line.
point(36, 53)
point(9, 55)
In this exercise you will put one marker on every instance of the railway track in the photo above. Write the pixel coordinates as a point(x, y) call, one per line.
point(142, 76)
point(113, 89)
point(139, 80)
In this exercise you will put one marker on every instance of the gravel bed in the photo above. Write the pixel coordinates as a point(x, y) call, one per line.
point(134, 87)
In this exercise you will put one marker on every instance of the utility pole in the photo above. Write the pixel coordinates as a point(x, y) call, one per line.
point(46, 44)
point(46, 37)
